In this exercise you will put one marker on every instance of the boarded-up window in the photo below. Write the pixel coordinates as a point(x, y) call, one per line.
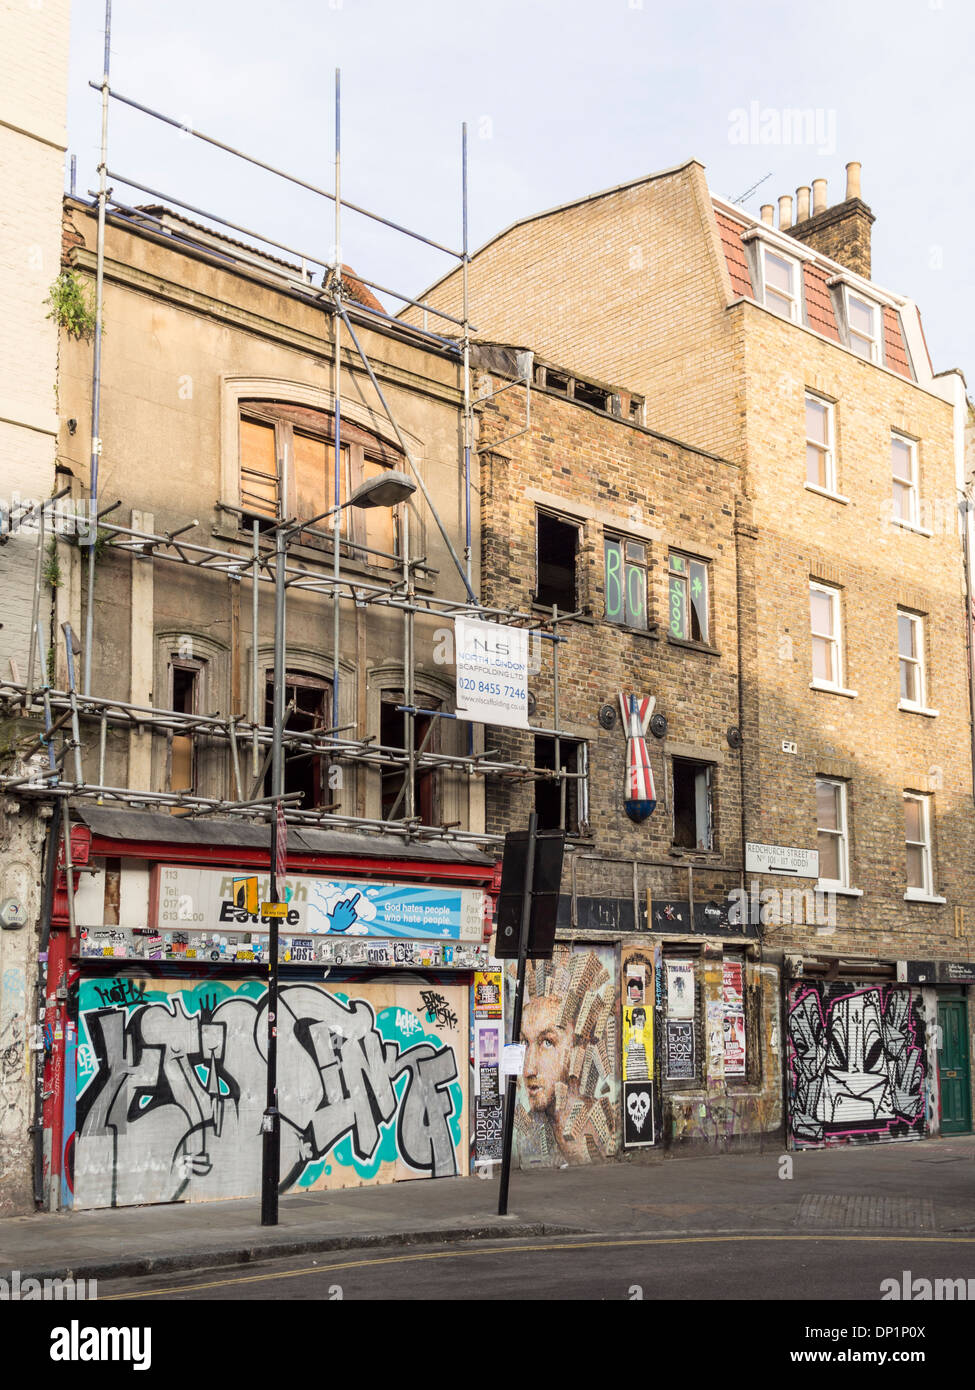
point(297, 444)
point(258, 468)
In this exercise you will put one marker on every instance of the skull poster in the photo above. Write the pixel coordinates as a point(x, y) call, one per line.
point(637, 1114)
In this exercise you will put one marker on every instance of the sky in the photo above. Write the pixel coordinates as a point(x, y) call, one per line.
point(562, 98)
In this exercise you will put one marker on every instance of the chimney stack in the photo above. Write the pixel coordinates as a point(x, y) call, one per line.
point(768, 214)
point(785, 212)
point(841, 232)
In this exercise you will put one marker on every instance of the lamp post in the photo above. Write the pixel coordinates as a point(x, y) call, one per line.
point(387, 489)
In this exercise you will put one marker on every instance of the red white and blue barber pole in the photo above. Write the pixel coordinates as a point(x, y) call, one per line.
point(640, 799)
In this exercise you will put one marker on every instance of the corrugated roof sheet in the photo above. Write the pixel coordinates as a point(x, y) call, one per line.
point(115, 824)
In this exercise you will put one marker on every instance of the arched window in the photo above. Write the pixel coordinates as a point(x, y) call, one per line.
point(307, 709)
point(272, 431)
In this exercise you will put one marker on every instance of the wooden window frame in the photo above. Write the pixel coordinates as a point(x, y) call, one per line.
point(685, 578)
point(361, 451)
point(794, 299)
point(828, 450)
point(927, 859)
point(910, 487)
point(835, 638)
point(611, 538)
point(917, 661)
point(841, 834)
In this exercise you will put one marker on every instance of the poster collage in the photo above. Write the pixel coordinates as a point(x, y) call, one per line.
point(570, 1102)
point(725, 1023)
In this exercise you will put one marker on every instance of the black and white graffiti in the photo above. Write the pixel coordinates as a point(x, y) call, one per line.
point(856, 1063)
point(637, 1113)
point(176, 1097)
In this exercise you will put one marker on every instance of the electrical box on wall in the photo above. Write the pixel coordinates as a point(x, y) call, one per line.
point(13, 914)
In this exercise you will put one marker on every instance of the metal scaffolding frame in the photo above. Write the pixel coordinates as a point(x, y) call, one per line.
point(64, 711)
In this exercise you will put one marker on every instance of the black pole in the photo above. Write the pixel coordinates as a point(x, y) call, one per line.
point(271, 1124)
point(512, 1082)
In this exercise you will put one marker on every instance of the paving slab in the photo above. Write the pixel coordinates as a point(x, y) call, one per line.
point(920, 1186)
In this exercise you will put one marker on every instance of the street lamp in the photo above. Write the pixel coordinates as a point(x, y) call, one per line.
point(386, 489)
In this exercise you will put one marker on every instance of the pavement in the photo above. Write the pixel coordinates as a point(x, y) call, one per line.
point(923, 1187)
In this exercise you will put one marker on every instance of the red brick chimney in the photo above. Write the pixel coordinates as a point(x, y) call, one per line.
point(841, 232)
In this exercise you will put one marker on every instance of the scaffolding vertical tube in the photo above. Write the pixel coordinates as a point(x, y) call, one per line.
point(337, 373)
point(102, 733)
point(255, 689)
point(467, 362)
point(96, 370)
point(409, 685)
point(557, 743)
point(35, 610)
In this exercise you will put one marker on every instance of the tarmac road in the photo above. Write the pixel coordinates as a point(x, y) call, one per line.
point(612, 1267)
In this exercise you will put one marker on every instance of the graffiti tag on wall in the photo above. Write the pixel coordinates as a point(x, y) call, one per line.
point(856, 1063)
point(171, 1089)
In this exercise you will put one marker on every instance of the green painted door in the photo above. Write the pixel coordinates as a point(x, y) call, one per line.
point(956, 1112)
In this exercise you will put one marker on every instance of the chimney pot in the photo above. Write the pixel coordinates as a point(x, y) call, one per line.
point(819, 196)
point(768, 214)
point(785, 212)
point(853, 180)
point(802, 202)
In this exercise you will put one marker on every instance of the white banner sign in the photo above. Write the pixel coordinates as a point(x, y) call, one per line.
point(781, 859)
point(317, 905)
point(492, 673)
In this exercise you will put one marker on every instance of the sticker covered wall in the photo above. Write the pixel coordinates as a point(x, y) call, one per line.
point(856, 1063)
point(171, 1086)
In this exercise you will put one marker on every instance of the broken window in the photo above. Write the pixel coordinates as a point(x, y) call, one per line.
point(393, 733)
point(307, 709)
point(687, 598)
point(693, 812)
point(271, 433)
point(185, 680)
point(626, 582)
point(562, 802)
point(593, 395)
point(557, 544)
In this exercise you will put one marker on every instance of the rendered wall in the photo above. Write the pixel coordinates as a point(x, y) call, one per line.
point(373, 1084)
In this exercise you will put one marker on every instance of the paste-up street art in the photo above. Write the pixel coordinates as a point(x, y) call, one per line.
point(569, 1092)
point(680, 989)
point(856, 1063)
point(171, 1088)
point(681, 1064)
point(637, 1044)
point(637, 1114)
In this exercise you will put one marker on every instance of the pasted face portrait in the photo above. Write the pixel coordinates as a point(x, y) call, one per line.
point(547, 1051)
point(568, 1094)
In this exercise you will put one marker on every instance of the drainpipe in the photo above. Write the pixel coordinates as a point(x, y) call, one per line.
point(966, 509)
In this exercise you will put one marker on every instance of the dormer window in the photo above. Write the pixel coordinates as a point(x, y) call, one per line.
point(863, 326)
point(781, 281)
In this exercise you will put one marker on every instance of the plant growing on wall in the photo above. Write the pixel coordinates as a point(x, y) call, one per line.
point(52, 565)
point(71, 306)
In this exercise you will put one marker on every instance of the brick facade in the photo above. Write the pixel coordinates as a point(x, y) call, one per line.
point(724, 373)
